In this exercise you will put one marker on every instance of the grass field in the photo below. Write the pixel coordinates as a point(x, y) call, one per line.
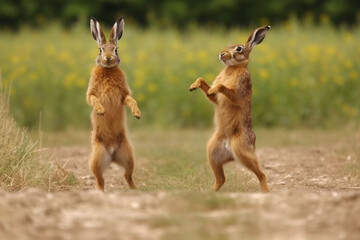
point(303, 75)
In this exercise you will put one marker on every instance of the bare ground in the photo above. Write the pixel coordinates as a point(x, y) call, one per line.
point(313, 196)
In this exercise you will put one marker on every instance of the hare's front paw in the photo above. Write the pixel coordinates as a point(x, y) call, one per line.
point(214, 90)
point(136, 112)
point(196, 84)
point(99, 109)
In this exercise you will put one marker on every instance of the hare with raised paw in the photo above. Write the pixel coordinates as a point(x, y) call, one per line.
point(234, 138)
point(107, 93)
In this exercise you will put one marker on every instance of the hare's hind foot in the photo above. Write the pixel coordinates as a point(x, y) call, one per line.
point(99, 160)
point(218, 185)
point(130, 182)
point(124, 157)
point(263, 184)
point(245, 154)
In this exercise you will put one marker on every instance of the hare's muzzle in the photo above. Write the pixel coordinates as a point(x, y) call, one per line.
point(224, 56)
point(108, 58)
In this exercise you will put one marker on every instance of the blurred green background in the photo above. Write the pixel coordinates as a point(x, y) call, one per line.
point(305, 73)
point(14, 13)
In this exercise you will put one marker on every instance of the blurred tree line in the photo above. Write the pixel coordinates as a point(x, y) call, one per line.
point(15, 13)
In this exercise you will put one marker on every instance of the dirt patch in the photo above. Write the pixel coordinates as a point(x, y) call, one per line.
point(313, 197)
point(134, 215)
point(311, 169)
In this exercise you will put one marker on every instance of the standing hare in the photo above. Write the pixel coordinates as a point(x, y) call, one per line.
point(231, 92)
point(108, 91)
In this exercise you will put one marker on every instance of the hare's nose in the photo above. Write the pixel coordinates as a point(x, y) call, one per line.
point(222, 55)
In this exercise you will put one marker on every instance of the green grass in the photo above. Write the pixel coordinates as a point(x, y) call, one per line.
point(303, 75)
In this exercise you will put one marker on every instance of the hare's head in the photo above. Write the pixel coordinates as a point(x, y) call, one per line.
point(108, 56)
point(239, 54)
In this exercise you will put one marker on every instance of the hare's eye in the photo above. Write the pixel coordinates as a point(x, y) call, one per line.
point(100, 50)
point(115, 50)
point(239, 49)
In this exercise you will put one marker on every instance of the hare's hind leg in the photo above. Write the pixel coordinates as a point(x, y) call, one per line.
point(245, 153)
point(124, 157)
point(218, 155)
point(98, 161)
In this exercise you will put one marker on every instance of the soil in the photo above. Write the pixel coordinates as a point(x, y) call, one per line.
point(312, 196)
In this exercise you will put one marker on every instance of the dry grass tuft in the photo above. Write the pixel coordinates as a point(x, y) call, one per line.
point(21, 163)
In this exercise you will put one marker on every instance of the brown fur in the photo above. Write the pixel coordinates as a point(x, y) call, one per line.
point(234, 138)
point(108, 91)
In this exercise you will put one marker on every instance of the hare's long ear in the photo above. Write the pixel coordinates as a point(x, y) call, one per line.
point(257, 36)
point(117, 31)
point(96, 32)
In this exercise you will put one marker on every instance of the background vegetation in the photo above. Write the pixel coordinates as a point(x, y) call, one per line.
point(15, 13)
point(303, 74)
